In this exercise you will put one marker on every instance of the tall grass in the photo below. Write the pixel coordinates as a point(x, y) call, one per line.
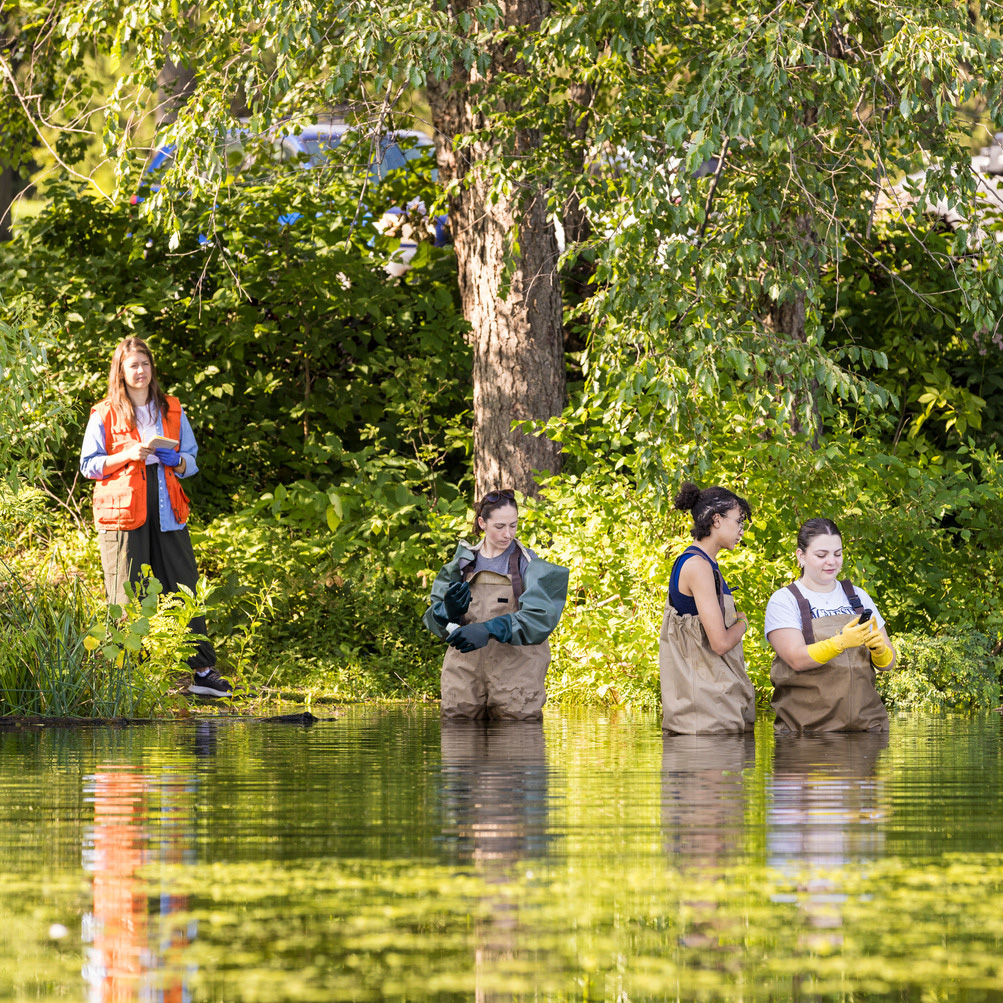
point(45, 668)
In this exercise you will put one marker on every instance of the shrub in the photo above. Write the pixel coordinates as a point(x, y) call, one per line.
point(950, 672)
point(48, 664)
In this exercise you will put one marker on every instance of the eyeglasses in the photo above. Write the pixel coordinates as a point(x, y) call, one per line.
point(741, 522)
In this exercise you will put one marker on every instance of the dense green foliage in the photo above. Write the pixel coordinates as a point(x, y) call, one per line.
point(954, 672)
point(766, 319)
point(329, 402)
point(31, 414)
point(295, 356)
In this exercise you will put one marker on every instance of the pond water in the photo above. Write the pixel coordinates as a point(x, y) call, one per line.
point(385, 856)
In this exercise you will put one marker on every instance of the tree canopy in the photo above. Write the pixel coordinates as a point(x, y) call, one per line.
point(723, 223)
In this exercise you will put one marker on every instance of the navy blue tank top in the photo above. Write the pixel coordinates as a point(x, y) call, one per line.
point(682, 603)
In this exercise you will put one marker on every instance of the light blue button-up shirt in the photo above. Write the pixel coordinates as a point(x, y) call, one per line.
point(94, 451)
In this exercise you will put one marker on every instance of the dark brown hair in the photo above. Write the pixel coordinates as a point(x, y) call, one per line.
point(704, 505)
point(816, 527)
point(118, 393)
point(491, 502)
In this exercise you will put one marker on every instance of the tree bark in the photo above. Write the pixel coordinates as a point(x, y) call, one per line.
point(10, 187)
point(510, 294)
point(789, 317)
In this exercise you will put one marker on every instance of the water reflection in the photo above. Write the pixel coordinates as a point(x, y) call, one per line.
point(389, 857)
point(496, 802)
point(141, 817)
point(825, 813)
point(703, 796)
point(495, 795)
point(825, 799)
point(703, 821)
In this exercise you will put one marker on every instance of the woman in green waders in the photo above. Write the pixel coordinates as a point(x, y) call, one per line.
point(705, 688)
point(496, 603)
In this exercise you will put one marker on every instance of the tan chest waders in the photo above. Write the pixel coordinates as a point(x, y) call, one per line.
point(702, 692)
point(838, 695)
point(498, 680)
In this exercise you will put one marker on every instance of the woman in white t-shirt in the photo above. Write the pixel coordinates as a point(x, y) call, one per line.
point(825, 657)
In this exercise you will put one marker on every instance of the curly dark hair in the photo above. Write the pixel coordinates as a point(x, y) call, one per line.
point(704, 505)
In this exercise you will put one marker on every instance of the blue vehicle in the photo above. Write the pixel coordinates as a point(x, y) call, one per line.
point(311, 145)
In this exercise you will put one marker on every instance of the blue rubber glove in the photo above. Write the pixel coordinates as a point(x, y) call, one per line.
point(476, 635)
point(168, 457)
point(454, 605)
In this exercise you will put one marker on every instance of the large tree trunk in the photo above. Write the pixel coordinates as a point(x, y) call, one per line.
point(789, 317)
point(10, 188)
point(515, 315)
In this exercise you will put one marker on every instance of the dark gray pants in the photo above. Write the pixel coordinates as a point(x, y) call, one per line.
point(169, 554)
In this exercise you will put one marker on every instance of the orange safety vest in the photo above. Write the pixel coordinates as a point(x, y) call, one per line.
point(120, 498)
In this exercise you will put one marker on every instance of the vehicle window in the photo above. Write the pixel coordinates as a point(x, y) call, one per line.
point(318, 147)
point(392, 158)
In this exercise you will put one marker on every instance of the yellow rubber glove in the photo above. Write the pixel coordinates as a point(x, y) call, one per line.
point(881, 654)
point(853, 635)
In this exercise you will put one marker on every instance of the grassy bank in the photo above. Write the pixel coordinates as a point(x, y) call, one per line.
point(352, 631)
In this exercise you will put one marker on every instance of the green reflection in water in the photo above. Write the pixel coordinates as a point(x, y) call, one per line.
point(383, 857)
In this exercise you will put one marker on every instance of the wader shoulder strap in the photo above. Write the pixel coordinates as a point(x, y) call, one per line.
point(513, 573)
point(806, 628)
point(718, 580)
point(805, 609)
point(851, 595)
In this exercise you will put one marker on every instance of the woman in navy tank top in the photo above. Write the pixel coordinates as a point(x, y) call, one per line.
point(705, 687)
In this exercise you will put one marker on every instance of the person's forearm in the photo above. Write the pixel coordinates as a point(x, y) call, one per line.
point(723, 639)
point(734, 634)
point(114, 461)
point(136, 452)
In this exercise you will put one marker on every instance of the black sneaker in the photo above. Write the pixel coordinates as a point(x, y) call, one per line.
point(212, 684)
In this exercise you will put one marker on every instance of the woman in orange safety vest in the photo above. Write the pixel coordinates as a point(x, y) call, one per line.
point(140, 508)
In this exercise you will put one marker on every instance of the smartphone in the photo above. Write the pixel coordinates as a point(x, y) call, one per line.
point(865, 615)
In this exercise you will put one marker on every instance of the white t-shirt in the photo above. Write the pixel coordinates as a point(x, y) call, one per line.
point(782, 609)
point(146, 425)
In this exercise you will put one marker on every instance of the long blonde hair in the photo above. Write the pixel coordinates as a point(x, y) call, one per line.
point(118, 393)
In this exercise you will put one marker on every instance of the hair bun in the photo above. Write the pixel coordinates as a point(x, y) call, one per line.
point(687, 497)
